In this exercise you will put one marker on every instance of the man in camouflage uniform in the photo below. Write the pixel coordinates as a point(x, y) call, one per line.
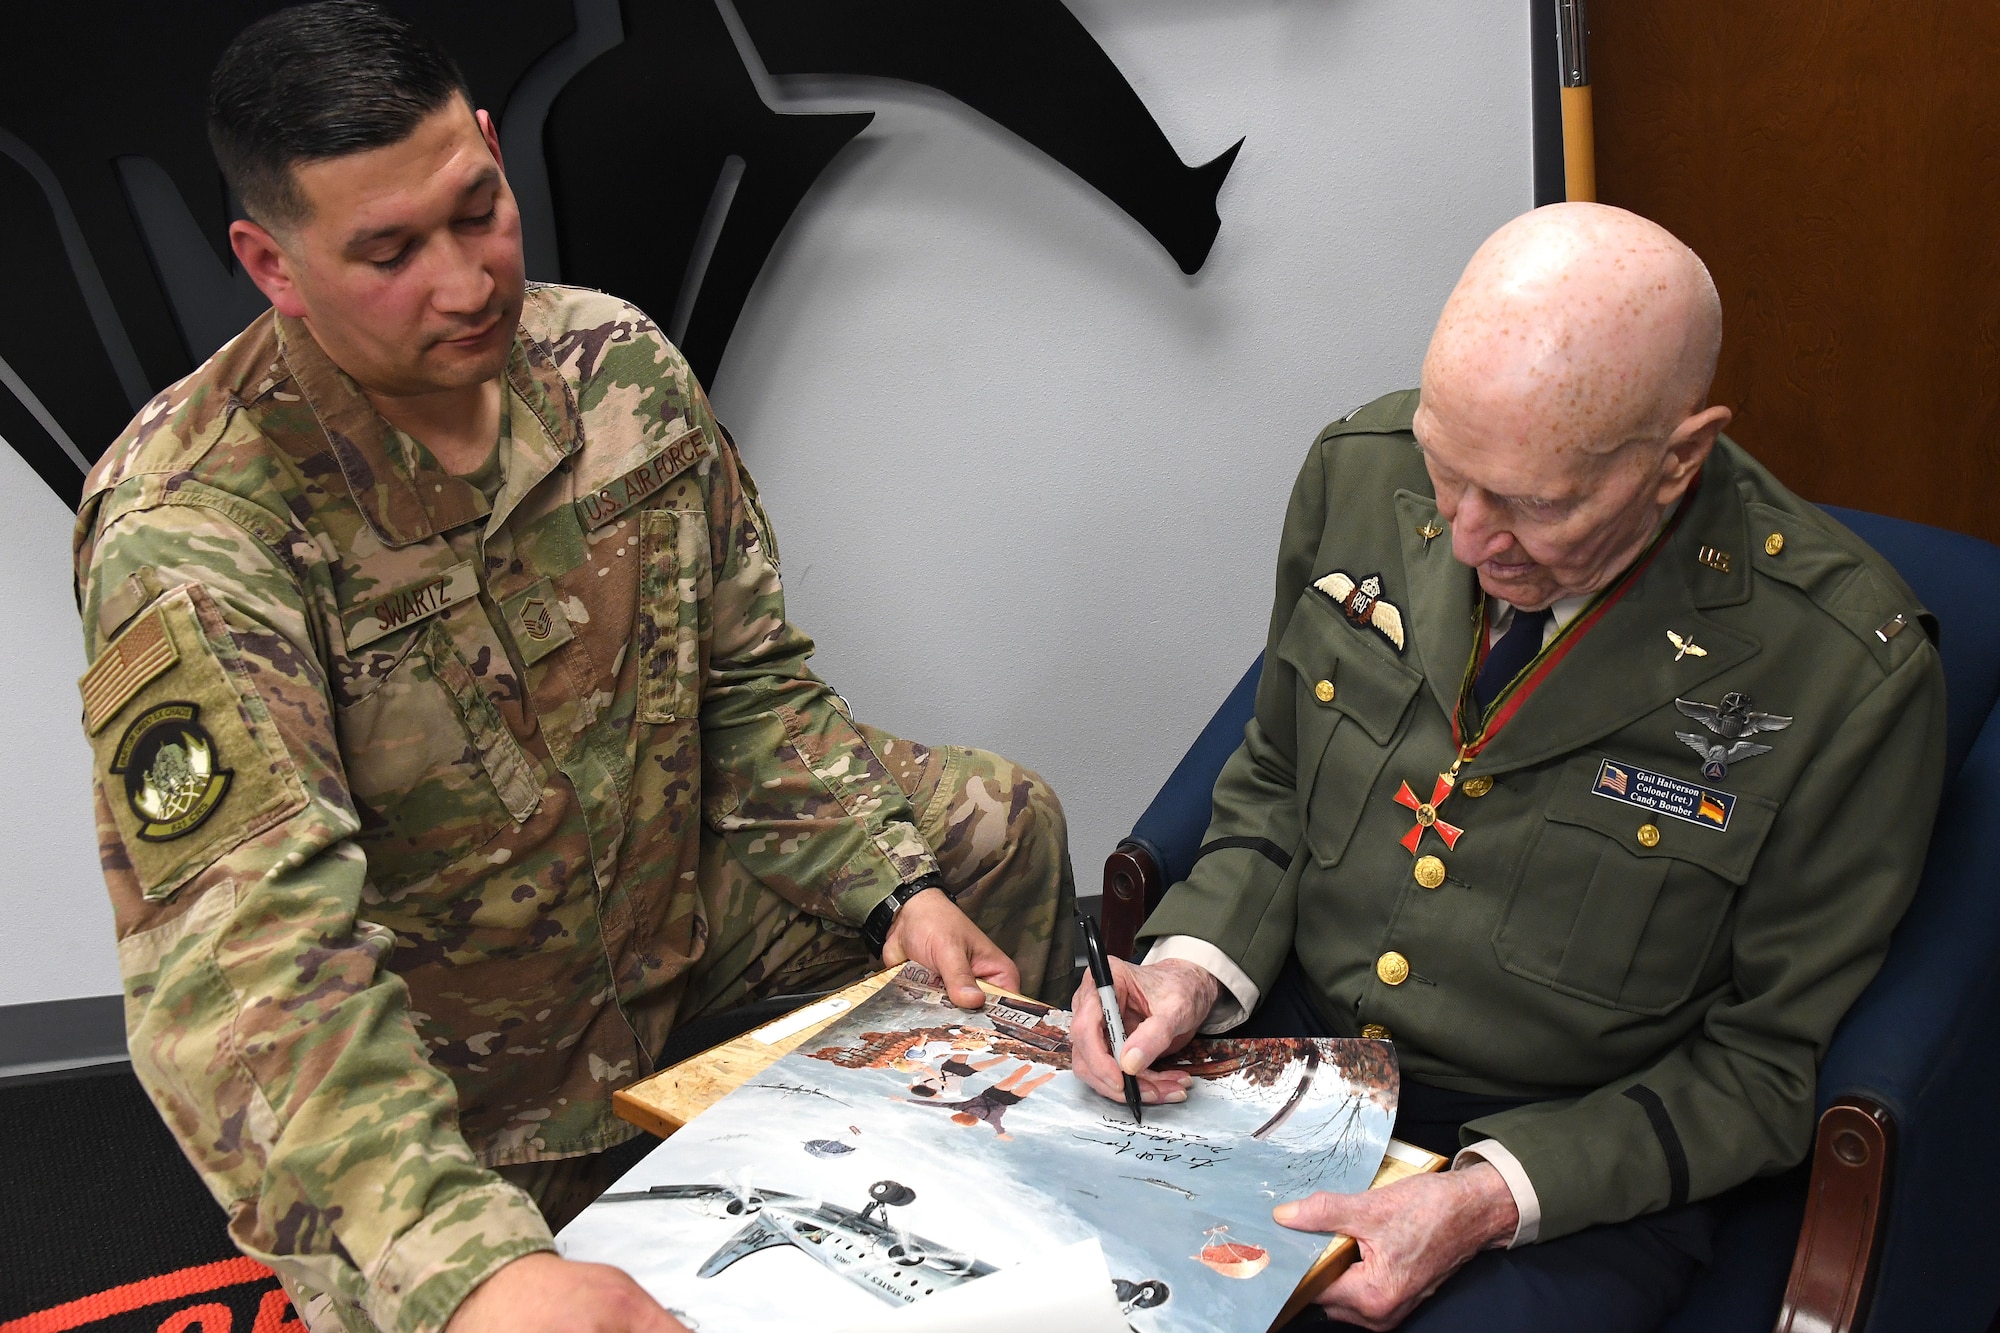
point(452, 745)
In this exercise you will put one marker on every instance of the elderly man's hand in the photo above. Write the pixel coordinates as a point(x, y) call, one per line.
point(545, 1293)
point(930, 929)
point(1163, 1005)
point(1413, 1235)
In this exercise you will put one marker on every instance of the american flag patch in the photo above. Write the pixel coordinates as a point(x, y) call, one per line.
point(135, 657)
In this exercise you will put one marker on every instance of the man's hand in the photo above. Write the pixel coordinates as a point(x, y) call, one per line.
point(1163, 1005)
point(545, 1293)
point(1413, 1235)
point(931, 930)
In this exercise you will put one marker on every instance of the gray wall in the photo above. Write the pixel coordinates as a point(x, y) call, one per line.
point(1027, 477)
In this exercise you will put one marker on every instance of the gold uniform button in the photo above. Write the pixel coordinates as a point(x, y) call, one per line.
point(1324, 691)
point(1649, 835)
point(1774, 543)
point(1392, 968)
point(1374, 1032)
point(1429, 871)
point(1476, 787)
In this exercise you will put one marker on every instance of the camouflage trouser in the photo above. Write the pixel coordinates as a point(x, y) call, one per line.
point(1003, 848)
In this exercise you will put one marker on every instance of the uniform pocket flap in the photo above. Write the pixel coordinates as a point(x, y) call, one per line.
point(514, 774)
point(1342, 672)
point(1653, 814)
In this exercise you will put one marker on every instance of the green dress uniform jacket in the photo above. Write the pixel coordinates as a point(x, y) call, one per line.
point(1660, 952)
point(404, 794)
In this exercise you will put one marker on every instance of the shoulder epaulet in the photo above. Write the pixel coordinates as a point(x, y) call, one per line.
point(1390, 414)
point(181, 423)
point(552, 310)
point(1842, 576)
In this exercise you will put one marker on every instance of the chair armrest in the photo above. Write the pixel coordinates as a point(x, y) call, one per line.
point(1133, 887)
point(1921, 1049)
point(1833, 1269)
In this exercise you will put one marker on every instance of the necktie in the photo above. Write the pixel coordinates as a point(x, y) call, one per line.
point(1517, 648)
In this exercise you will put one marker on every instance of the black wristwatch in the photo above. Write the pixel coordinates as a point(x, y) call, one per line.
point(875, 930)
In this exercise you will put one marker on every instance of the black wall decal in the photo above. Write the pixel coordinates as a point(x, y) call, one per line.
point(636, 145)
point(1027, 64)
point(48, 341)
point(646, 162)
point(90, 84)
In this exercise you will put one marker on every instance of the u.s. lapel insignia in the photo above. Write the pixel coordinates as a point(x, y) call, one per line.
point(1732, 722)
point(1430, 532)
point(1685, 647)
point(1363, 606)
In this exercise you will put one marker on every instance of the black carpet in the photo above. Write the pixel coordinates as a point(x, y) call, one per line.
point(95, 1197)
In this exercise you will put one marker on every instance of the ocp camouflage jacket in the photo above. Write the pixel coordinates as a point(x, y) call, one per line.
point(401, 794)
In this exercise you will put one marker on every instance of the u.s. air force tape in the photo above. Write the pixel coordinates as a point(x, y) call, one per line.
point(598, 507)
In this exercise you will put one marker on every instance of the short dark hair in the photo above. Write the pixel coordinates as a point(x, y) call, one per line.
point(314, 82)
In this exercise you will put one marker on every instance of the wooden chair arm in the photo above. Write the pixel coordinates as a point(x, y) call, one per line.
point(1833, 1270)
point(1132, 889)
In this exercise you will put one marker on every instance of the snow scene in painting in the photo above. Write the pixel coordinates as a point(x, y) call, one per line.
point(912, 1146)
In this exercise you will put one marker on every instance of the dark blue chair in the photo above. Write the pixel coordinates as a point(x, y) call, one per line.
point(1895, 1221)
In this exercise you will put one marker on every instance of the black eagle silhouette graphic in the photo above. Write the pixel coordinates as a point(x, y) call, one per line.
point(644, 159)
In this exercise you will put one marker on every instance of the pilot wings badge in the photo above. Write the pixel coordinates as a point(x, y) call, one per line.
point(1363, 606)
point(1733, 722)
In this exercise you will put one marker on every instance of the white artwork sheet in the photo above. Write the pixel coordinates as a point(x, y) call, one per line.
point(913, 1147)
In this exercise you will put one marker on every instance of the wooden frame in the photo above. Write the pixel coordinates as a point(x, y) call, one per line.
point(1833, 1269)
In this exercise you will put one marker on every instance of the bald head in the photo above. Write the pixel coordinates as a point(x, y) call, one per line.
point(1564, 405)
point(1587, 325)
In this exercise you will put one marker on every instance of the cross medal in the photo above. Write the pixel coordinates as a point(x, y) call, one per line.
point(1427, 813)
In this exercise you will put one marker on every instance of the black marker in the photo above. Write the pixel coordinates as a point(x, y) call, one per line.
point(1107, 1000)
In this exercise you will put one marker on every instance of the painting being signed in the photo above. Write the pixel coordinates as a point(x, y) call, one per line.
point(912, 1147)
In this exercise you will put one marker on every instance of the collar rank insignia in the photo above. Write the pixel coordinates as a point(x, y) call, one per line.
point(1733, 722)
point(1363, 606)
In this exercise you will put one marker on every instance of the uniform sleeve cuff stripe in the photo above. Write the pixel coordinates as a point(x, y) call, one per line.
point(1264, 847)
point(1670, 1141)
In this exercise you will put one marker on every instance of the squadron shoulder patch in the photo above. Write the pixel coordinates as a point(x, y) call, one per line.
point(1363, 606)
point(133, 659)
point(173, 774)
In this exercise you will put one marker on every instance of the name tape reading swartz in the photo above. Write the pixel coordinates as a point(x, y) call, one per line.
point(407, 605)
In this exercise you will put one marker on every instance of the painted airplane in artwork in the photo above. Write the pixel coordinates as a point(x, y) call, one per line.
point(862, 1247)
point(896, 1265)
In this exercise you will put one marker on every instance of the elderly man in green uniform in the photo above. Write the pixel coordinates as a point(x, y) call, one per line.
point(1589, 765)
point(452, 744)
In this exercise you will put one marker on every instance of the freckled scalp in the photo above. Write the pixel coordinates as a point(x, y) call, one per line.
point(1581, 326)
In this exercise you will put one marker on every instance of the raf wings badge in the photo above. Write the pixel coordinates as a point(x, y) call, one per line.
point(1733, 722)
point(1363, 606)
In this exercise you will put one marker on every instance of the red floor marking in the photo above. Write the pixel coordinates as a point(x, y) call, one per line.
point(137, 1295)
